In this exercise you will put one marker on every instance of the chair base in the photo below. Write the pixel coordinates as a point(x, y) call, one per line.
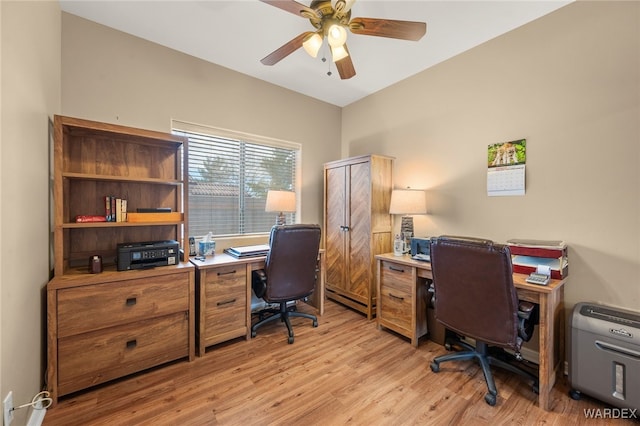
point(284, 313)
point(486, 357)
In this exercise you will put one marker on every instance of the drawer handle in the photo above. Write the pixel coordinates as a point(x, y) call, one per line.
point(226, 302)
point(396, 269)
point(132, 344)
point(227, 273)
point(131, 301)
point(396, 297)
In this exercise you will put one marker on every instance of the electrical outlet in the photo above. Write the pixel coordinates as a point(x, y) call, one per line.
point(8, 408)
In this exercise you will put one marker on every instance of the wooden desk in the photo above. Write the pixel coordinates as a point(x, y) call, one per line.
point(223, 297)
point(550, 298)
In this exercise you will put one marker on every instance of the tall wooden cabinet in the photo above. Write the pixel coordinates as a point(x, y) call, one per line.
point(102, 326)
point(357, 226)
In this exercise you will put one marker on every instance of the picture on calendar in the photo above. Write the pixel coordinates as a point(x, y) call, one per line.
point(508, 153)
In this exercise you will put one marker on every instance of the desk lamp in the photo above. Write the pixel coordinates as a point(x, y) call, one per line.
point(407, 202)
point(281, 201)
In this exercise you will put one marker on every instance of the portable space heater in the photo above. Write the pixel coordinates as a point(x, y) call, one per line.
point(605, 354)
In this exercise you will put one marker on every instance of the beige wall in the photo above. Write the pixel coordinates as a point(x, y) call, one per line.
point(110, 76)
point(570, 84)
point(30, 94)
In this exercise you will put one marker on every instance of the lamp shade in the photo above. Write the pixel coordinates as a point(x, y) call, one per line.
point(408, 201)
point(338, 53)
point(312, 44)
point(280, 201)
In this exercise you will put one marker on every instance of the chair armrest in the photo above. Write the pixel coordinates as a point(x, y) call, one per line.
point(527, 319)
point(259, 282)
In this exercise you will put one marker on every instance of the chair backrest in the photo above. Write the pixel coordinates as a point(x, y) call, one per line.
point(474, 291)
point(291, 263)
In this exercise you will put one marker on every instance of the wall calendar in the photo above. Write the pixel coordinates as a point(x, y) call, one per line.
point(506, 168)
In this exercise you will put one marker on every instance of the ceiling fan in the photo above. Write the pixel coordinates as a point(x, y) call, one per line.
point(331, 19)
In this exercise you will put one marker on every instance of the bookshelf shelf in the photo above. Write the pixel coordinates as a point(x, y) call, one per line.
point(81, 225)
point(94, 177)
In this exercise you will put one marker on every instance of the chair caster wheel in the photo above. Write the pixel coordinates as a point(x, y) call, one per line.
point(575, 394)
point(315, 323)
point(490, 399)
point(447, 346)
point(435, 367)
point(290, 340)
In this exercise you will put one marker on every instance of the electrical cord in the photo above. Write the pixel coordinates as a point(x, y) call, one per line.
point(41, 398)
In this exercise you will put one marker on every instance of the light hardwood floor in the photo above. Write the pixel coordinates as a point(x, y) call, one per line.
point(346, 371)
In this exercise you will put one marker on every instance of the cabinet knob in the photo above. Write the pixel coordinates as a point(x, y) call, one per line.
point(131, 301)
point(132, 344)
point(344, 228)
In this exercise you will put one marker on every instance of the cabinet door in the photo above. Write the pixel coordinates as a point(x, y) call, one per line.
point(336, 200)
point(360, 264)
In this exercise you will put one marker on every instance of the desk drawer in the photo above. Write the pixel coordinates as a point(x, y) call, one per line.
point(397, 276)
point(91, 358)
point(395, 306)
point(225, 307)
point(88, 308)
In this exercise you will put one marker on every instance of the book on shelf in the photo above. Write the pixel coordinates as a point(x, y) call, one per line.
point(87, 218)
point(153, 210)
point(115, 209)
point(107, 208)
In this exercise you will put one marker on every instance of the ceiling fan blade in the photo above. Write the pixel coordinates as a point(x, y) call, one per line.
point(285, 50)
point(293, 7)
point(345, 66)
point(404, 30)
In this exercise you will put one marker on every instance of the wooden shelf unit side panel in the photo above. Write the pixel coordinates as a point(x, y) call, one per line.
point(182, 195)
point(381, 188)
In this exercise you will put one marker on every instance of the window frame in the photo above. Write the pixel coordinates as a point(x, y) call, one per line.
point(180, 126)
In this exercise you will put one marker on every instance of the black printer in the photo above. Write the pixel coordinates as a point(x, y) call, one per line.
point(147, 254)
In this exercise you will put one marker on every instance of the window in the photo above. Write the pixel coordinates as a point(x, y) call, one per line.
point(229, 176)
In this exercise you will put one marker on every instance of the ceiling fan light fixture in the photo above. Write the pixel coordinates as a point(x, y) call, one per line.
point(313, 44)
point(336, 35)
point(338, 53)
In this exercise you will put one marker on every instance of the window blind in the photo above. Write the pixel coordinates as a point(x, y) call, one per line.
point(229, 178)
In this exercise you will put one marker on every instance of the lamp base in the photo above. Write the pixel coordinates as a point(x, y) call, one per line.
point(406, 229)
point(281, 219)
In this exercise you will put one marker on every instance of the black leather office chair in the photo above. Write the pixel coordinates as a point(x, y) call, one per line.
point(290, 273)
point(475, 298)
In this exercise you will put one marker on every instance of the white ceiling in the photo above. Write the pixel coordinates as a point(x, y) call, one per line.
point(237, 34)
